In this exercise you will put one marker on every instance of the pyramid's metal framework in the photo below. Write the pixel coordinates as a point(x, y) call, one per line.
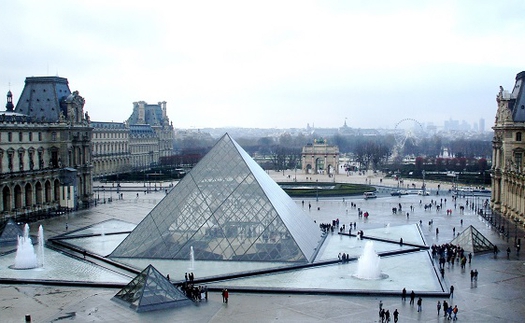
point(226, 208)
point(472, 240)
point(9, 232)
point(149, 291)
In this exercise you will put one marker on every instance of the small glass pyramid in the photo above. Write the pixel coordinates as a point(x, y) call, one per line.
point(473, 241)
point(226, 208)
point(9, 232)
point(149, 291)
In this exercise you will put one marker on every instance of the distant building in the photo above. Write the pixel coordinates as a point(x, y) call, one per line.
point(45, 149)
point(320, 158)
point(137, 144)
point(481, 126)
point(508, 181)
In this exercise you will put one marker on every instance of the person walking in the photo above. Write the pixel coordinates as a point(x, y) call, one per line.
point(439, 307)
point(455, 311)
point(396, 316)
point(404, 295)
point(451, 291)
point(412, 297)
point(445, 308)
point(419, 303)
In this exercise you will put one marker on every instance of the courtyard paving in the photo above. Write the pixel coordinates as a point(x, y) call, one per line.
point(497, 296)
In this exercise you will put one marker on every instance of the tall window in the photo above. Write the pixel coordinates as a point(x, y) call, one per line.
point(39, 136)
point(30, 136)
point(10, 160)
point(518, 136)
point(9, 136)
point(20, 136)
point(21, 160)
point(518, 158)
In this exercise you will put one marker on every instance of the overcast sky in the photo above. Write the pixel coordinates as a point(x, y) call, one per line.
point(271, 63)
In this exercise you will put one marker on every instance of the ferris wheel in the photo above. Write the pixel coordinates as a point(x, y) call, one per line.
point(407, 130)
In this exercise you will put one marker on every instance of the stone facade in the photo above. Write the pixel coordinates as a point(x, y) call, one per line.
point(45, 149)
point(111, 148)
point(320, 158)
point(134, 145)
point(508, 180)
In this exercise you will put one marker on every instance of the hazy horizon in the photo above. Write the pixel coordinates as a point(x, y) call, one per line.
point(271, 64)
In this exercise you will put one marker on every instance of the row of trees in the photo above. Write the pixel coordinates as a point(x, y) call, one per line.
point(373, 152)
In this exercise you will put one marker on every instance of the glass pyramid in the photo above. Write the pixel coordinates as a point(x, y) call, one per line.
point(473, 241)
point(226, 208)
point(149, 291)
point(9, 232)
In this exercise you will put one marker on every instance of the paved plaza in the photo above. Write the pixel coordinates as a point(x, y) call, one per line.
point(497, 296)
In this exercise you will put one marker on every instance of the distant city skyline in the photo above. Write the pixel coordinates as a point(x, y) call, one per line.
point(271, 64)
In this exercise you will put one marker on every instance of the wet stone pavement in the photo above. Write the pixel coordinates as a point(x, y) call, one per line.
point(497, 296)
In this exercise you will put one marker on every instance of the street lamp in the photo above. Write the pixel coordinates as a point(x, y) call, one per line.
point(424, 187)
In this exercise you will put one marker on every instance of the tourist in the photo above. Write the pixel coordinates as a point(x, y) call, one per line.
point(419, 303)
point(439, 307)
point(449, 312)
point(455, 311)
point(451, 291)
point(445, 308)
point(404, 294)
point(387, 316)
point(508, 253)
point(412, 297)
point(396, 316)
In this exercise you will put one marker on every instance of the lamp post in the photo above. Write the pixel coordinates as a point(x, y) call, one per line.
point(424, 187)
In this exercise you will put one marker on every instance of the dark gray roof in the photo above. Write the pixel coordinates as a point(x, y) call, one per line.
point(152, 115)
point(143, 130)
point(42, 97)
point(517, 102)
point(108, 125)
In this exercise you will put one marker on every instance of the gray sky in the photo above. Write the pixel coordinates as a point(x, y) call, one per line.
point(271, 63)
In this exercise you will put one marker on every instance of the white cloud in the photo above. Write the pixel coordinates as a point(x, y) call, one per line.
point(272, 63)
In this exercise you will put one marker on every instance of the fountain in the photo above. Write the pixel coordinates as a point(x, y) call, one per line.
point(192, 259)
point(26, 258)
point(40, 246)
point(368, 264)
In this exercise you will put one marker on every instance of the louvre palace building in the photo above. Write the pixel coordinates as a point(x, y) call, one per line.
point(50, 150)
point(45, 149)
point(136, 144)
point(508, 180)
